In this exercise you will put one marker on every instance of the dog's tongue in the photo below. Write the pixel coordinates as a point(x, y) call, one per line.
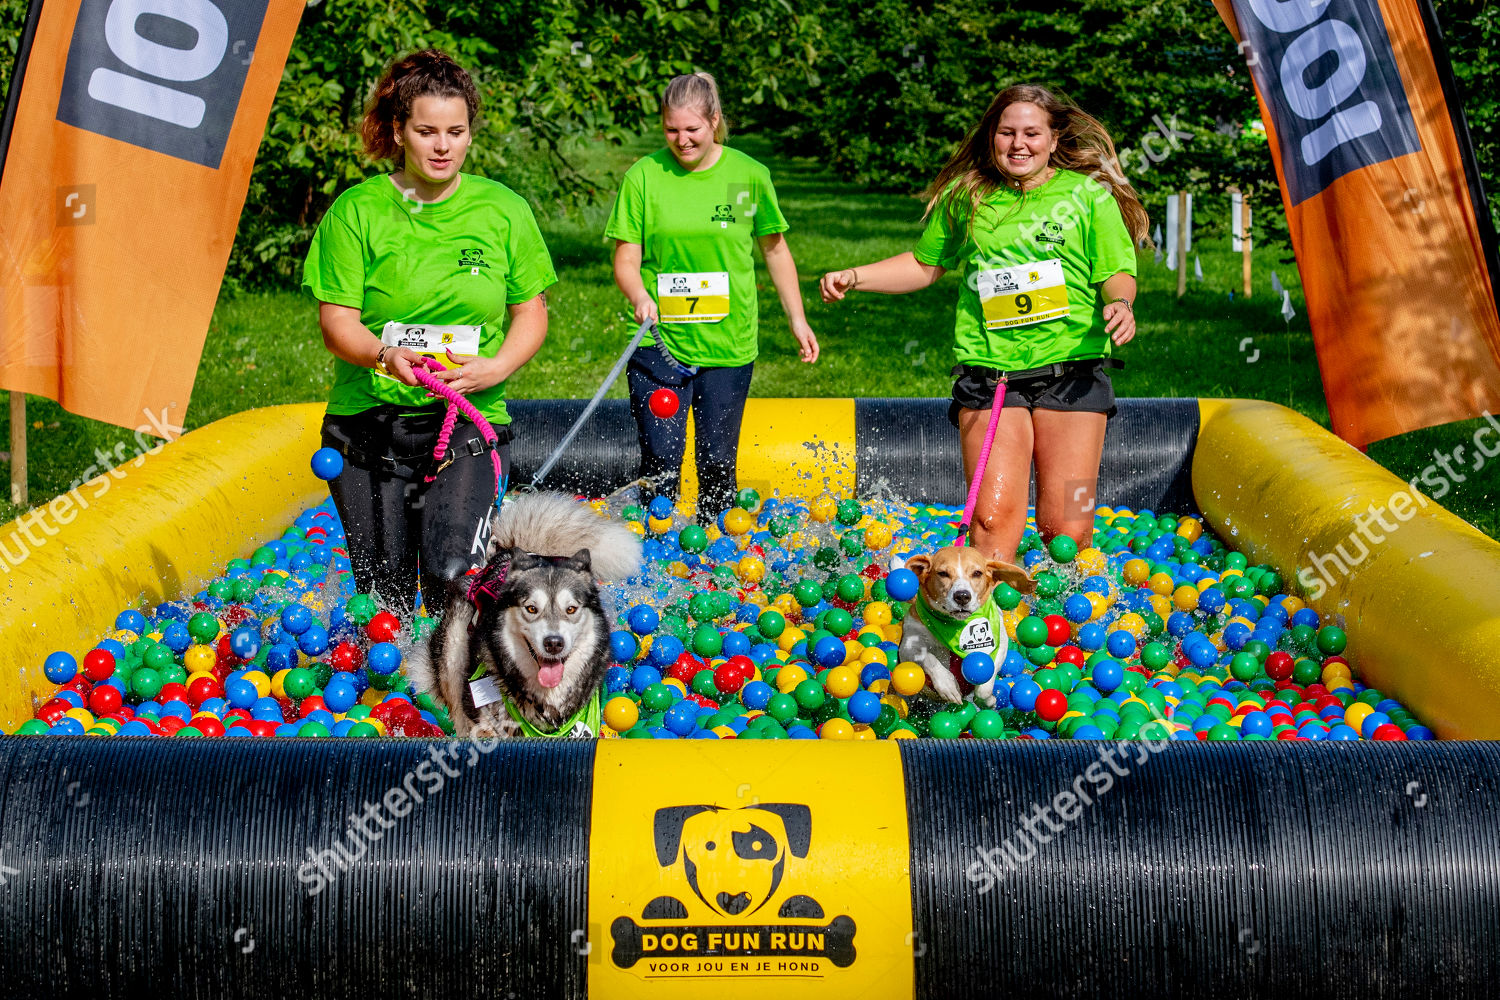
point(549, 675)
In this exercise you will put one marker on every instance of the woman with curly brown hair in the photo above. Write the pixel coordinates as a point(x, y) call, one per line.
point(1033, 208)
point(424, 260)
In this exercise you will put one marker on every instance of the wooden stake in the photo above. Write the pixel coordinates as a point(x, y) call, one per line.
point(1182, 231)
point(1245, 238)
point(18, 492)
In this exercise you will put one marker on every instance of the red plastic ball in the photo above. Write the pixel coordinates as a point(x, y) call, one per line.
point(169, 724)
point(728, 679)
point(202, 689)
point(99, 664)
point(383, 627)
point(344, 657)
point(208, 725)
point(52, 711)
point(1069, 654)
point(1059, 630)
point(311, 704)
point(1388, 732)
point(171, 692)
point(1051, 704)
point(79, 683)
point(1279, 666)
point(685, 667)
point(105, 699)
point(261, 727)
point(663, 403)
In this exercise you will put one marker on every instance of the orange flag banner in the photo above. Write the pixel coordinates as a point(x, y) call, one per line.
point(130, 131)
point(1383, 200)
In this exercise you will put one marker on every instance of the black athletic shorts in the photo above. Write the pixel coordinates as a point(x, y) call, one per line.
point(1082, 386)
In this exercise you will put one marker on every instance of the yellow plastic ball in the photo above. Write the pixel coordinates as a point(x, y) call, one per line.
point(659, 525)
point(837, 729)
point(787, 678)
point(903, 734)
point(260, 680)
point(1161, 583)
point(874, 655)
point(1091, 562)
point(1190, 529)
point(83, 715)
point(789, 637)
point(1185, 598)
point(737, 521)
point(1161, 605)
point(675, 683)
point(1136, 572)
point(1132, 623)
point(878, 613)
point(751, 569)
point(908, 678)
point(1355, 714)
point(853, 650)
point(199, 659)
point(678, 568)
point(278, 682)
point(1336, 671)
point(865, 733)
point(636, 528)
point(620, 713)
point(878, 536)
point(841, 682)
point(822, 508)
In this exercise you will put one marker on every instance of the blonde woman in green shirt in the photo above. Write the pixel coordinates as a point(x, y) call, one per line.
point(1033, 209)
point(684, 223)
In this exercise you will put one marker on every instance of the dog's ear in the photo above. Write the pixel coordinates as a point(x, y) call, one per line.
point(920, 565)
point(798, 822)
point(580, 561)
point(667, 830)
point(1004, 572)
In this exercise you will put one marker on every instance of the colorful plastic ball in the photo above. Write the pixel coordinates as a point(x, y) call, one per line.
point(296, 618)
point(620, 714)
point(643, 619)
point(902, 584)
point(1062, 549)
point(1121, 644)
point(1031, 632)
point(327, 463)
point(829, 652)
point(756, 695)
point(383, 627)
point(622, 646)
point(908, 678)
point(1107, 675)
point(339, 694)
point(1051, 704)
point(945, 726)
point(809, 694)
point(60, 667)
point(663, 403)
point(864, 707)
point(978, 668)
point(383, 658)
point(239, 692)
point(841, 682)
point(98, 664)
point(682, 718)
point(1331, 640)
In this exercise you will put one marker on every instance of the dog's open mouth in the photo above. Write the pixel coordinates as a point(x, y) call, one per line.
point(548, 672)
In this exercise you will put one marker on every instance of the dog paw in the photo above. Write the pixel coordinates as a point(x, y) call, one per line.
point(946, 687)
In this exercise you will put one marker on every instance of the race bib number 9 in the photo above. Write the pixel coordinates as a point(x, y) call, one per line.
point(432, 341)
point(1023, 294)
point(701, 297)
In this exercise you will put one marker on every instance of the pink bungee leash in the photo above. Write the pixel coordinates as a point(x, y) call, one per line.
point(456, 404)
point(984, 458)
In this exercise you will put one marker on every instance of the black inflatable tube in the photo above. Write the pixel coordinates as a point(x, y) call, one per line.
point(1335, 871)
point(904, 448)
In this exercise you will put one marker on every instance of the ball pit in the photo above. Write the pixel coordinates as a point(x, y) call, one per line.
point(782, 621)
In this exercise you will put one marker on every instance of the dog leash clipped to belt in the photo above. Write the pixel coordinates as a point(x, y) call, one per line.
point(456, 404)
point(593, 404)
point(984, 458)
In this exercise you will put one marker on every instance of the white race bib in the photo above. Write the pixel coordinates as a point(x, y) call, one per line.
point(698, 297)
point(485, 691)
point(431, 340)
point(1022, 294)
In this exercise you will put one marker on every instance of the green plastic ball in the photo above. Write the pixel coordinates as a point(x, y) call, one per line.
point(809, 694)
point(1332, 640)
point(771, 624)
point(1063, 549)
point(807, 593)
point(838, 622)
point(693, 539)
point(1031, 631)
point(847, 512)
point(300, 683)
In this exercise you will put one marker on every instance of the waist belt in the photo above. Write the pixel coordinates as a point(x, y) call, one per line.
point(1055, 370)
point(420, 464)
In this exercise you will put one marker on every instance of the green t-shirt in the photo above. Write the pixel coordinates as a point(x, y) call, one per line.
point(460, 261)
point(700, 225)
point(1038, 260)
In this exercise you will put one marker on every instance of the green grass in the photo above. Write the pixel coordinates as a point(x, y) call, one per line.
point(265, 349)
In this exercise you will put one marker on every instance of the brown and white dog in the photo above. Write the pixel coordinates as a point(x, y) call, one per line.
point(955, 586)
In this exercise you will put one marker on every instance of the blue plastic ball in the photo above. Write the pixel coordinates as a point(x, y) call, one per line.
point(339, 694)
point(622, 646)
point(175, 636)
point(1078, 609)
point(131, 620)
point(643, 677)
point(864, 707)
point(383, 658)
point(829, 652)
point(1024, 693)
point(665, 649)
point(1121, 644)
point(314, 641)
point(643, 619)
point(735, 644)
point(266, 709)
point(240, 693)
point(1107, 675)
point(60, 667)
point(660, 507)
point(1090, 637)
point(901, 585)
point(244, 642)
point(978, 668)
point(756, 695)
point(296, 618)
point(682, 718)
point(327, 463)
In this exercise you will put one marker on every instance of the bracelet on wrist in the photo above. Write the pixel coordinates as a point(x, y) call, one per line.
point(380, 359)
point(1128, 304)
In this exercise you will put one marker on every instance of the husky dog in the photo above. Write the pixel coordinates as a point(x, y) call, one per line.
point(531, 618)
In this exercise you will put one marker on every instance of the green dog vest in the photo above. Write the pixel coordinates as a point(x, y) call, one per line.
point(978, 633)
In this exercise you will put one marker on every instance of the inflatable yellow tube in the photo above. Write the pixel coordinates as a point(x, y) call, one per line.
point(147, 531)
point(1416, 585)
point(802, 447)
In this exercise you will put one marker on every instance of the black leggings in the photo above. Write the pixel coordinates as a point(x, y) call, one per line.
point(717, 397)
point(399, 529)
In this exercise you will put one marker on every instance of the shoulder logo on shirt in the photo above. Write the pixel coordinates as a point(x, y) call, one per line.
point(723, 215)
point(1051, 232)
point(472, 258)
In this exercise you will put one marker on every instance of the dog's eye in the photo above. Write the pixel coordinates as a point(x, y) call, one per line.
point(943, 573)
point(572, 610)
point(976, 574)
point(531, 609)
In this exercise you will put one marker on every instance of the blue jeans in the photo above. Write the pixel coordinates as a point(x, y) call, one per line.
point(717, 397)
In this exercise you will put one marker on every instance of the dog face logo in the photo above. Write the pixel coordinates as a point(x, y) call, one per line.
point(734, 859)
point(1051, 232)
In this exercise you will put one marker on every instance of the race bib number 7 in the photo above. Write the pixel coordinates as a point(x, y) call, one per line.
point(433, 341)
point(1023, 294)
point(700, 297)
